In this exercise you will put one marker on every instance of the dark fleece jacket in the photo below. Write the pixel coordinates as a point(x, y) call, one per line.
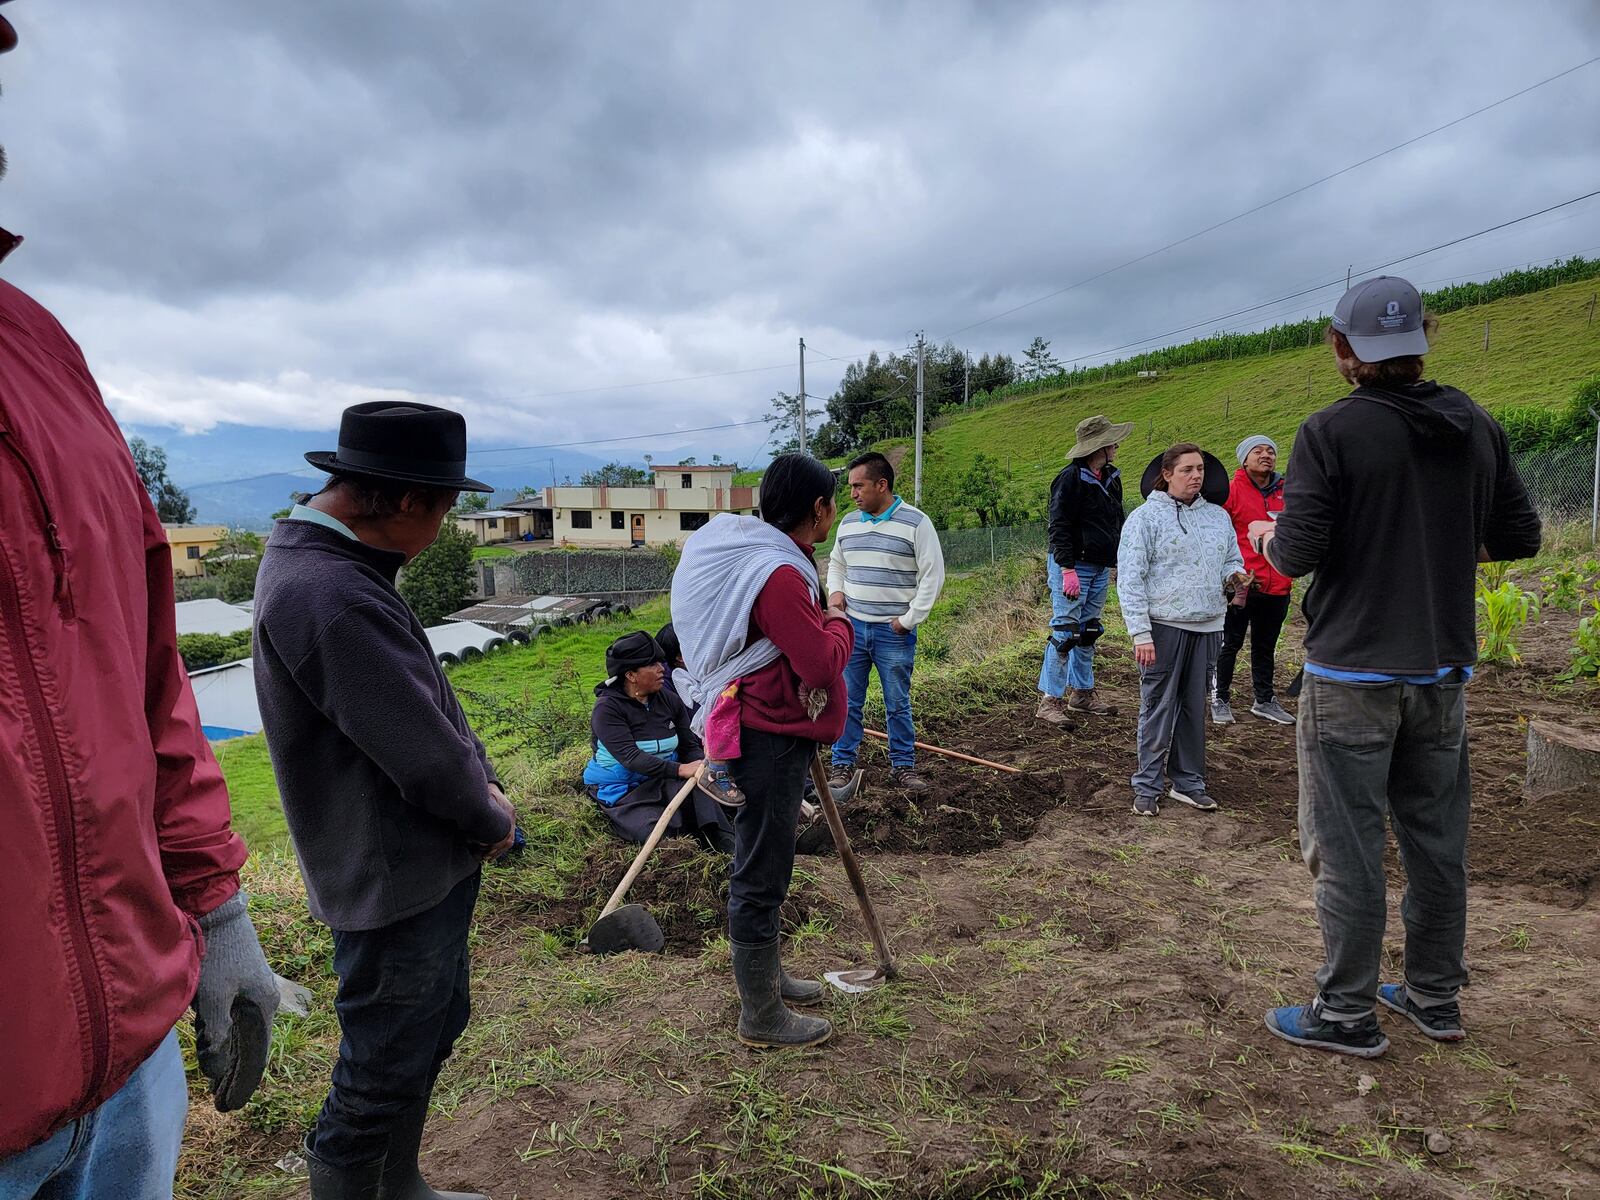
point(385, 787)
point(1390, 495)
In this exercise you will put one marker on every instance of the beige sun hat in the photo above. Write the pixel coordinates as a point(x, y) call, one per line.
point(1096, 433)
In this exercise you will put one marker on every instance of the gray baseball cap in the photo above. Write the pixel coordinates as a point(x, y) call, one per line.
point(1382, 319)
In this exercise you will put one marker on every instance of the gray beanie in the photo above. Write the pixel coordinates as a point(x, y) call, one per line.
point(1250, 443)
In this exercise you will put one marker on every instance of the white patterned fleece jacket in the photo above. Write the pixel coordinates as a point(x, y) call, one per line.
point(1171, 564)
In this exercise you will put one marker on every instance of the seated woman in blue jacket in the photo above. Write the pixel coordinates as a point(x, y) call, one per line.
point(644, 750)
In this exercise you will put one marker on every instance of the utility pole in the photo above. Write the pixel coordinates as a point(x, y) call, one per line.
point(1347, 271)
point(966, 381)
point(917, 485)
point(802, 395)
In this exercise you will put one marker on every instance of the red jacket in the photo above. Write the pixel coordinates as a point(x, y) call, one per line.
point(815, 650)
point(113, 815)
point(1246, 503)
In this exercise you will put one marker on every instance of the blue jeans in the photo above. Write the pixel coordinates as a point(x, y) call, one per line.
point(878, 645)
point(127, 1149)
point(1055, 676)
point(404, 999)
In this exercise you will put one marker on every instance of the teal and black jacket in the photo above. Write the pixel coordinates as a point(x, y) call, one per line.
point(633, 742)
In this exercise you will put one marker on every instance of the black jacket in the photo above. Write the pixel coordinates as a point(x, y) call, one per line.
point(384, 785)
point(1390, 496)
point(621, 723)
point(1085, 516)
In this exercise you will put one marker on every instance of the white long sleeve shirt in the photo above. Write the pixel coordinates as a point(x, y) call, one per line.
point(887, 566)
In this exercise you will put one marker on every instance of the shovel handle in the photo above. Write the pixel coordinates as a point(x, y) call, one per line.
point(956, 754)
point(852, 869)
point(644, 852)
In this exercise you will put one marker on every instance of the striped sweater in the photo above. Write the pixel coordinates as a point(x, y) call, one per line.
point(887, 566)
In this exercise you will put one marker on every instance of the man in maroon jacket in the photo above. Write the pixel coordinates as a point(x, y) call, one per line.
point(119, 887)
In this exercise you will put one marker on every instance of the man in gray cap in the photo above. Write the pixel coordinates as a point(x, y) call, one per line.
point(1399, 490)
point(1085, 528)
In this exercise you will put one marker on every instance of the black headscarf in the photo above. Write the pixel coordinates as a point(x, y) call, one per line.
point(630, 652)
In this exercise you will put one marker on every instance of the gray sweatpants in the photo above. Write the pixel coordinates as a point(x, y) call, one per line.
point(1172, 710)
point(1370, 751)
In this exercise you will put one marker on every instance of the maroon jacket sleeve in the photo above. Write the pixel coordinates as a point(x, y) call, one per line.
point(817, 647)
point(200, 853)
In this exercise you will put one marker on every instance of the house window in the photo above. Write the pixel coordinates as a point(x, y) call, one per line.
point(582, 519)
point(688, 521)
point(194, 551)
point(494, 522)
point(618, 521)
point(688, 479)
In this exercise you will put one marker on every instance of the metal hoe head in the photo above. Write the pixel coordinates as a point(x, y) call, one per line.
point(630, 927)
point(856, 980)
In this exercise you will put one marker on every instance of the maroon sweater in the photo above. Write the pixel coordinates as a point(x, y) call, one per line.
point(815, 649)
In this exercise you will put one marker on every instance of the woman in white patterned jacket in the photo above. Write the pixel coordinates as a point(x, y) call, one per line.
point(1177, 554)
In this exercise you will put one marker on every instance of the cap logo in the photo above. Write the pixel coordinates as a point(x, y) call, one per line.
point(1392, 318)
point(1394, 307)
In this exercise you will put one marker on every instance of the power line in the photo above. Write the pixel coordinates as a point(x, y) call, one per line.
point(1275, 200)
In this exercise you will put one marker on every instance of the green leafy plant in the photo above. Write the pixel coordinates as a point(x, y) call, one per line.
point(1504, 611)
point(1563, 588)
point(1492, 575)
point(1586, 646)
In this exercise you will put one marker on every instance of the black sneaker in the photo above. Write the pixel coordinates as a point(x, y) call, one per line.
point(1301, 1024)
point(1441, 1022)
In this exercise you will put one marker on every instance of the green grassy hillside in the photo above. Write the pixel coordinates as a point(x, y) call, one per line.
point(1540, 348)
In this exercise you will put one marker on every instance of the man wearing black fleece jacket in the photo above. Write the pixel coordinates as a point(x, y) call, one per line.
point(1397, 492)
point(390, 798)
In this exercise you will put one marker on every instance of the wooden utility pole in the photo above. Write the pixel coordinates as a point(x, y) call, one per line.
point(1486, 335)
point(1591, 309)
point(803, 395)
point(917, 485)
point(966, 381)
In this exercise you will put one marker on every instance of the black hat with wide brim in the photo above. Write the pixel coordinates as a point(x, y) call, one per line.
point(1214, 487)
point(410, 443)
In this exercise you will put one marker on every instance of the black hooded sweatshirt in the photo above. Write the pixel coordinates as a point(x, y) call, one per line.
point(1392, 492)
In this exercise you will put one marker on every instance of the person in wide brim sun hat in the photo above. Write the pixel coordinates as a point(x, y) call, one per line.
point(1096, 433)
point(408, 443)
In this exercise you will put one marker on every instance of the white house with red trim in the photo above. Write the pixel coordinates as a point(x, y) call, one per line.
point(677, 501)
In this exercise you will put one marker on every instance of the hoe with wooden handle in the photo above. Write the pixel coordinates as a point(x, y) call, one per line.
point(859, 979)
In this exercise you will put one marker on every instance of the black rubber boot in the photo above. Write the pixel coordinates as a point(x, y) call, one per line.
point(402, 1180)
point(799, 991)
point(329, 1182)
point(764, 1021)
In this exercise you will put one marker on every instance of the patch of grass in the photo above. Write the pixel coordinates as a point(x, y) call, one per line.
point(253, 791)
point(479, 553)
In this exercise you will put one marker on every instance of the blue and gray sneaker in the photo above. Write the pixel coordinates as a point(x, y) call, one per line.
point(1146, 806)
point(1301, 1024)
point(1441, 1022)
point(1199, 799)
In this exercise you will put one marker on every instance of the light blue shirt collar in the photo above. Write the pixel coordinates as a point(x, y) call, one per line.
point(884, 515)
point(304, 512)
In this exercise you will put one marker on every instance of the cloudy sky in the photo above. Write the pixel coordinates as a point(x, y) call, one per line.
point(251, 215)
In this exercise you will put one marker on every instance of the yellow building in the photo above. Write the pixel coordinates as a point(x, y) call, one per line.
point(676, 502)
point(190, 545)
point(493, 525)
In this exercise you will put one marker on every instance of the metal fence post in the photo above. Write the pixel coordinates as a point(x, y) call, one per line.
point(1594, 503)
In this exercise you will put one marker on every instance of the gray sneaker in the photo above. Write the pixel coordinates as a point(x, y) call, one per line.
point(1221, 712)
point(1271, 710)
point(1194, 800)
point(1146, 806)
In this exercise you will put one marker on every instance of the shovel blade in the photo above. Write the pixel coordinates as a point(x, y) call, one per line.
point(630, 927)
point(857, 980)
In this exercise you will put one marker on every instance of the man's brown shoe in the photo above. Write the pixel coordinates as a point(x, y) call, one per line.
point(839, 777)
point(1053, 710)
point(1085, 702)
point(906, 779)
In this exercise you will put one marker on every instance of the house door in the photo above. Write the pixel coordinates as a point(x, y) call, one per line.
point(637, 525)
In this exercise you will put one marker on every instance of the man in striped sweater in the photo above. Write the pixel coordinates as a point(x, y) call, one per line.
point(885, 571)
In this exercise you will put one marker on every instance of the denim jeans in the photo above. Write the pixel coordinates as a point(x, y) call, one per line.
point(127, 1149)
point(893, 654)
point(403, 1000)
point(1077, 672)
point(771, 771)
point(1370, 750)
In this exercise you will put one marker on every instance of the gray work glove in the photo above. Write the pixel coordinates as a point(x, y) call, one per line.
point(234, 1004)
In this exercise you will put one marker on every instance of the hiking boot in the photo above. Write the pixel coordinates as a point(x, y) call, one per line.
point(1194, 799)
point(1301, 1024)
point(1053, 709)
point(1221, 712)
point(1441, 1022)
point(401, 1179)
point(329, 1182)
point(1146, 806)
point(714, 779)
point(798, 991)
point(1085, 702)
point(840, 775)
point(764, 1021)
point(907, 779)
point(1271, 710)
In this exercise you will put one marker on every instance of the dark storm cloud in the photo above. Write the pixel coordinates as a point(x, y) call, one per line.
point(258, 213)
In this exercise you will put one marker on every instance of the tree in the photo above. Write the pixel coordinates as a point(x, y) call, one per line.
point(472, 502)
point(687, 462)
point(1039, 361)
point(529, 492)
point(615, 474)
point(279, 514)
point(784, 420)
point(438, 581)
point(233, 562)
point(173, 505)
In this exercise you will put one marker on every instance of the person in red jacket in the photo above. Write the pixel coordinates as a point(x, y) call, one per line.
point(1255, 495)
point(119, 888)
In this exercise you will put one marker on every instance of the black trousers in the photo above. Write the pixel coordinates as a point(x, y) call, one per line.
point(403, 1000)
point(771, 771)
point(1263, 616)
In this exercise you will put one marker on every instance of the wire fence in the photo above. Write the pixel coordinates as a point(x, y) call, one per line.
point(970, 549)
point(1563, 485)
